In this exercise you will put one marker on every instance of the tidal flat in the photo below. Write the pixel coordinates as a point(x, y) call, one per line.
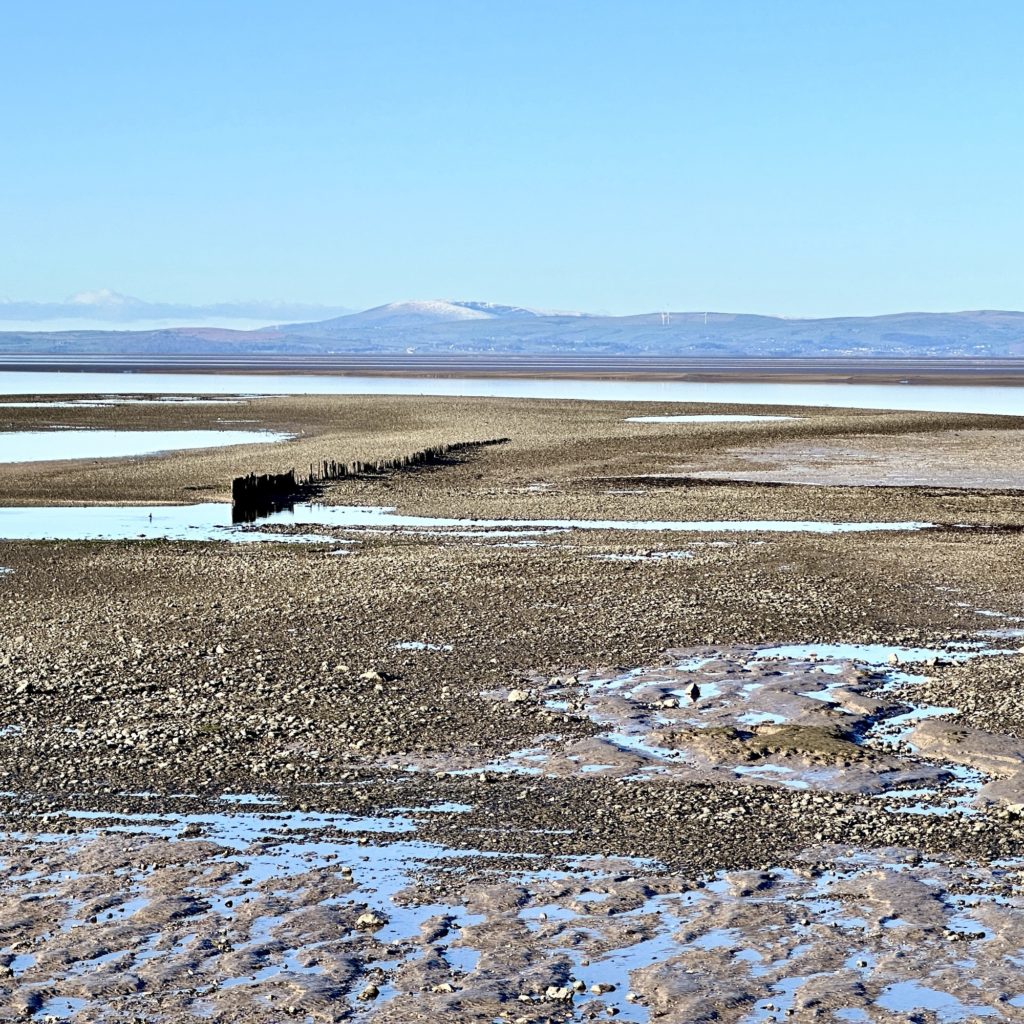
point(503, 770)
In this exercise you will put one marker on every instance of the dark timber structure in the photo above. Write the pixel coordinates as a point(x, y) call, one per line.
point(259, 494)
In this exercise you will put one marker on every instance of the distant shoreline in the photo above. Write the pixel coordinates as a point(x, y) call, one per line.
point(950, 371)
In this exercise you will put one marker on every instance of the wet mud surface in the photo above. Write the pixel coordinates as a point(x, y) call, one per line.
point(259, 915)
point(978, 458)
point(496, 770)
point(845, 718)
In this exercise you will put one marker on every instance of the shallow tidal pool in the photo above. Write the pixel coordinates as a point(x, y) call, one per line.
point(212, 521)
point(59, 445)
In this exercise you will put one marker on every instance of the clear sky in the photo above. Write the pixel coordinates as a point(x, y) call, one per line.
point(780, 156)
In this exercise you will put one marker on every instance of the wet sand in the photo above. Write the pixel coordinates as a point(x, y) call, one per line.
point(401, 774)
point(955, 371)
point(959, 459)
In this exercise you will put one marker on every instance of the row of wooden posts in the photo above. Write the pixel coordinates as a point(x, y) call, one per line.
point(258, 494)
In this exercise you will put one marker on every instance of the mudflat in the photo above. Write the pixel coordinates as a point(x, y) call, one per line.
point(501, 757)
point(803, 369)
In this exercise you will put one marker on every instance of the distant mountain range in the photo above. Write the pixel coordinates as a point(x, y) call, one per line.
point(466, 328)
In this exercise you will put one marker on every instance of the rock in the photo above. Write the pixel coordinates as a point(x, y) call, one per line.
point(558, 993)
point(371, 920)
point(368, 993)
point(518, 696)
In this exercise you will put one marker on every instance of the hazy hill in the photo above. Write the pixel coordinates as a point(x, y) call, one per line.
point(479, 327)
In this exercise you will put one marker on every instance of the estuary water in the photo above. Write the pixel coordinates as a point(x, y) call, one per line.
point(923, 398)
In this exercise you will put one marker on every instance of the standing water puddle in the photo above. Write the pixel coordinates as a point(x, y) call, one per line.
point(212, 521)
point(61, 445)
point(207, 521)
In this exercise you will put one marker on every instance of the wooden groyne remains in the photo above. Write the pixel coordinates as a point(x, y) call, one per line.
point(259, 494)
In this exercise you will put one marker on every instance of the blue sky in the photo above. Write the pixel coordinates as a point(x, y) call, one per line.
point(776, 156)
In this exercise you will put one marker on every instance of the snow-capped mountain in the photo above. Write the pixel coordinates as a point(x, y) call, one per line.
point(103, 298)
point(411, 313)
point(420, 312)
point(497, 310)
